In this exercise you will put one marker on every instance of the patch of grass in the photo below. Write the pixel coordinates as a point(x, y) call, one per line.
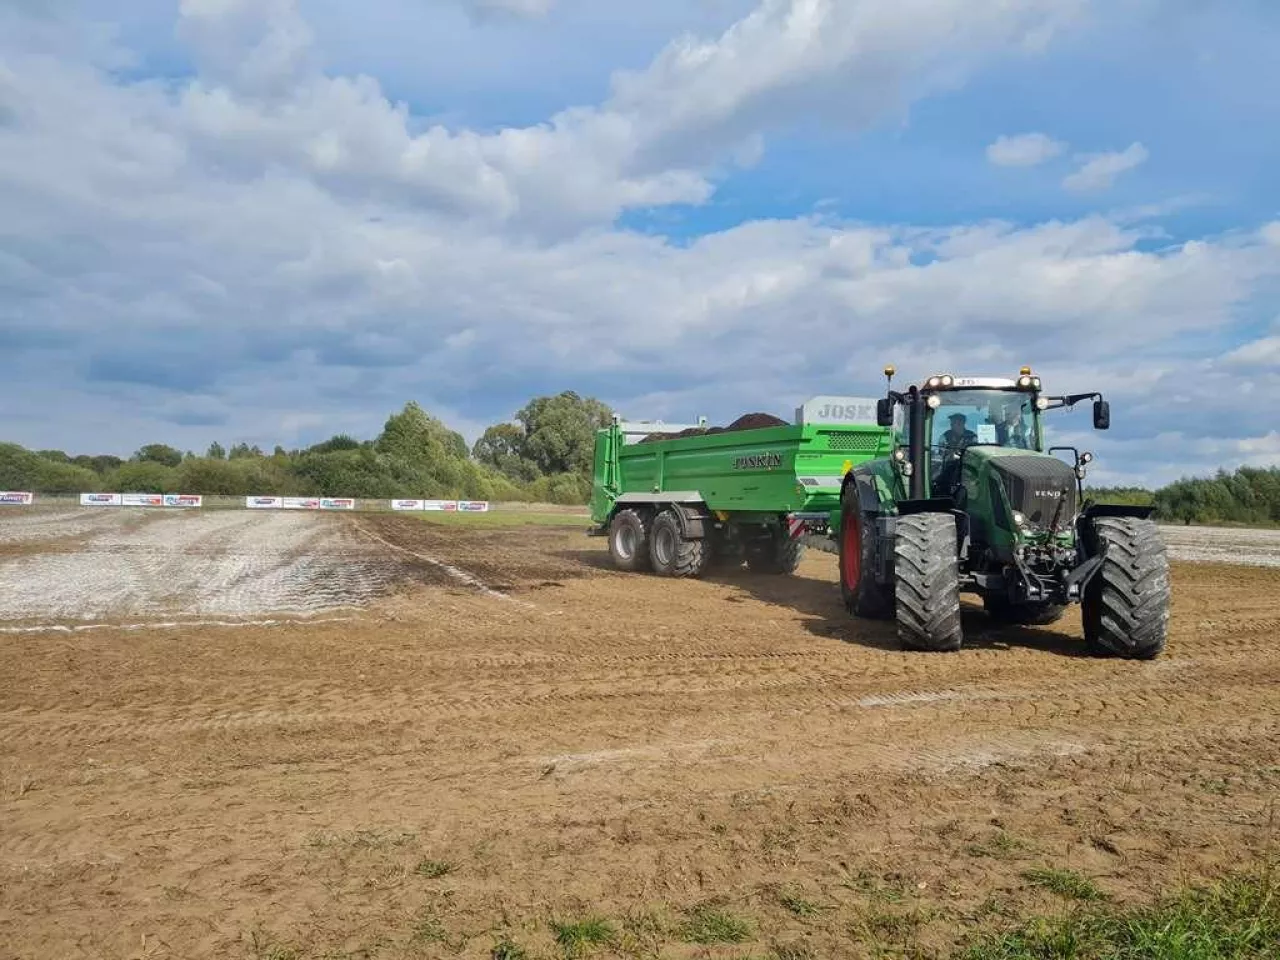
point(581, 937)
point(1065, 883)
point(999, 846)
point(434, 869)
point(706, 925)
point(798, 905)
point(360, 839)
point(1236, 919)
point(507, 949)
point(876, 888)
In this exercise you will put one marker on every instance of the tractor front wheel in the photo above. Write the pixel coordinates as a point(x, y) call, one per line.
point(671, 554)
point(927, 582)
point(1125, 607)
point(862, 596)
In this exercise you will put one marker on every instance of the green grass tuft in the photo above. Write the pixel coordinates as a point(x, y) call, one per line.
point(706, 925)
point(1065, 883)
point(434, 869)
point(580, 938)
point(798, 905)
point(1237, 919)
point(507, 949)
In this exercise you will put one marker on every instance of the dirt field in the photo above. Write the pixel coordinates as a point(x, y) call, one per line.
point(289, 735)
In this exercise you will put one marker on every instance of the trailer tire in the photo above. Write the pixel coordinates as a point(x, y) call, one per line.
point(862, 596)
point(1000, 609)
point(927, 582)
point(671, 554)
point(629, 534)
point(778, 555)
point(1125, 607)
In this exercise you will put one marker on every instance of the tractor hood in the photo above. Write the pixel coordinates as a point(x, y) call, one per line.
point(1033, 483)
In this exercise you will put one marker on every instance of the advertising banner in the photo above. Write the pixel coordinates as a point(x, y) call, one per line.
point(12, 498)
point(183, 500)
point(407, 504)
point(300, 503)
point(449, 505)
point(337, 503)
point(142, 500)
point(264, 503)
point(100, 499)
point(474, 506)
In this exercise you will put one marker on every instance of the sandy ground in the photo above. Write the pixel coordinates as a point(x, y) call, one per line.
point(501, 733)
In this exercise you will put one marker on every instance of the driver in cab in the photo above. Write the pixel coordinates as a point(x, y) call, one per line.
point(957, 437)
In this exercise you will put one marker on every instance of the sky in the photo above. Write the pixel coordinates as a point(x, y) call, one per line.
point(270, 221)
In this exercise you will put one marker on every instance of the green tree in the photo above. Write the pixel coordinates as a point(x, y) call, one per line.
point(158, 453)
point(242, 451)
point(560, 432)
point(144, 476)
point(216, 452)
point(502, 448)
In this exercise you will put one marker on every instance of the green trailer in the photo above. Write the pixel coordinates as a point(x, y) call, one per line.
point(677, 499)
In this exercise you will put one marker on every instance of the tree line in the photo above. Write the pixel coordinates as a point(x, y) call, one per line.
point(543, 456)
point(1248, 496)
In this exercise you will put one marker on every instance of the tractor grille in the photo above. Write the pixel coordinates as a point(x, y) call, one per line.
point(1035, 485)
point(851, 442)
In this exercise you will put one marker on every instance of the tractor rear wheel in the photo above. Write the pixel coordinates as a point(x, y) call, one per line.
point(927, 582)
point(999, 608)
point(779, 554)
point(1125, 607)
point(671, 554)
point(862, 596)
point(629, 540)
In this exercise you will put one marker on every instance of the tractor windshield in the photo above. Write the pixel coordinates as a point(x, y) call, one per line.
point(1005, 418)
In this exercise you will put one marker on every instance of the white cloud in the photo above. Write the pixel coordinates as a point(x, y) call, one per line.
point(1024, 150)
point(269, 251)
point(1100, 170)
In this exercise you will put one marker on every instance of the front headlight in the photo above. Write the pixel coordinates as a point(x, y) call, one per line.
point(1019, 518)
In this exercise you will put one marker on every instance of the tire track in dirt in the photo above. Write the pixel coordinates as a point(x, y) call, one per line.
point(795, 693)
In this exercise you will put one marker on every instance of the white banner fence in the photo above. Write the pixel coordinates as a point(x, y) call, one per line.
point(197, 501)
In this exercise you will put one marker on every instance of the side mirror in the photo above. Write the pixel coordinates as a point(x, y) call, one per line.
point(884, 412)
point(1101, 415)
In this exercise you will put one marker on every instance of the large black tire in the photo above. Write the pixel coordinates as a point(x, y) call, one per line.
point(629, 539)
point(862, 596)
point(670, 554)
point(927, 582)
point(777, 555)
point(1000, 609)
point(1125, 607)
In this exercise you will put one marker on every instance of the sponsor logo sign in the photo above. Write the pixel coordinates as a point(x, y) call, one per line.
point(142, 500)
point(264, 503)
point(337, 503)
point(407, 504)
point(474, 506)
point(183, 500)
point(300, 503)
point(13, 497)
point(449, 505)
point(100, 499)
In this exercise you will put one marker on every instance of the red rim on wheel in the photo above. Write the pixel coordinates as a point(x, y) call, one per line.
point(851, 562)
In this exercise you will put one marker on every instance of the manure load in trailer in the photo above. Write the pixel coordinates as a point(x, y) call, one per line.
point(677, 499)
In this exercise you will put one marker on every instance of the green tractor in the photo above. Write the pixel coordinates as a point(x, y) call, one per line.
point(971, 501)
